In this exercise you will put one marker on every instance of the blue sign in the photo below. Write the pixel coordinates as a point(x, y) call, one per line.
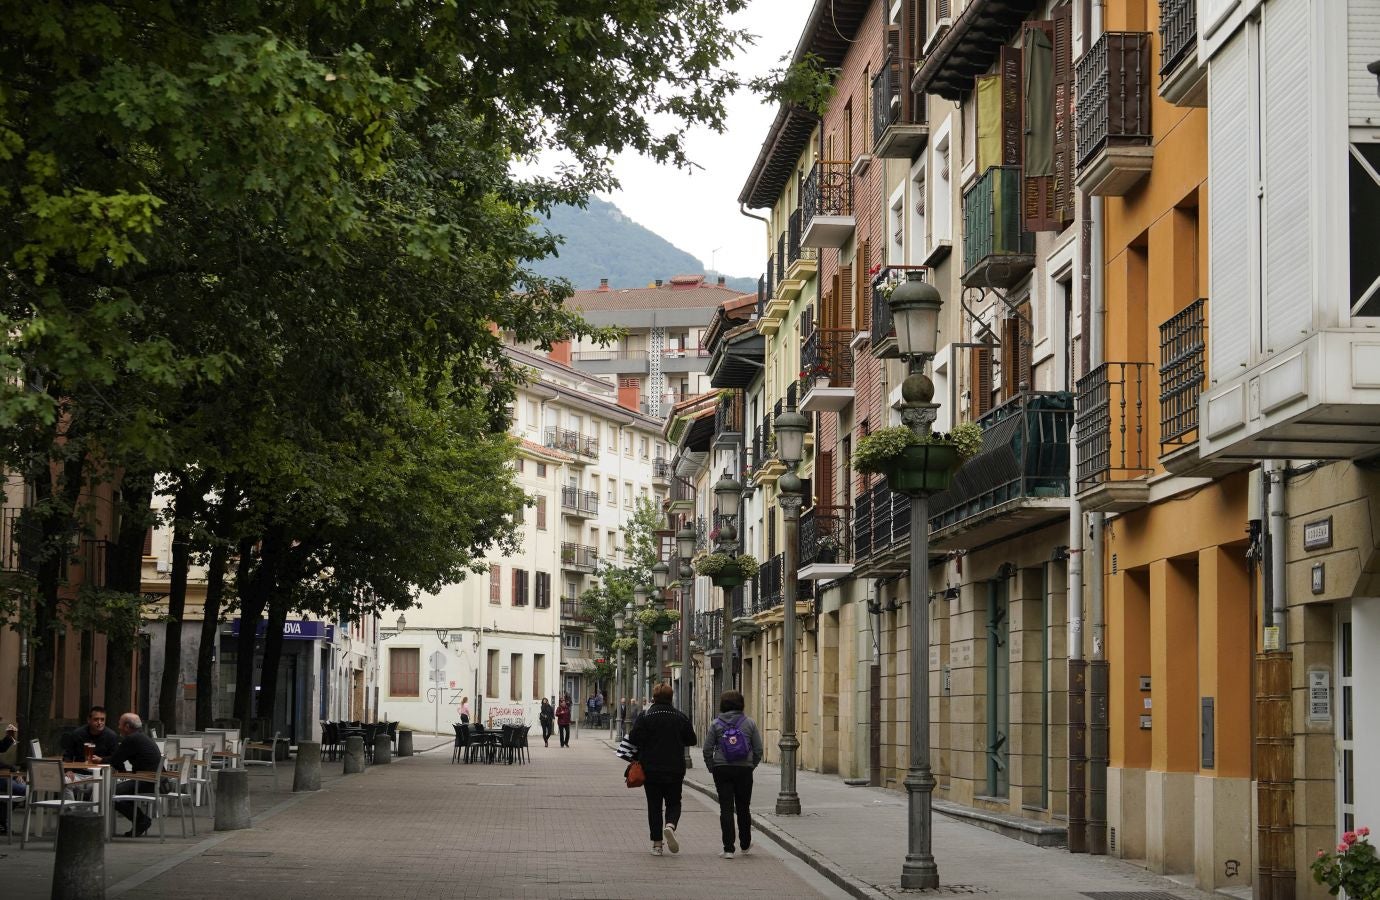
point(293, 629)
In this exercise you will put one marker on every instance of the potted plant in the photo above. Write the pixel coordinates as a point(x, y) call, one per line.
point(724, 570)
point(657, 618)
point(827, 549)
point(913, 464)
point(816, 374)
point(1354, 868)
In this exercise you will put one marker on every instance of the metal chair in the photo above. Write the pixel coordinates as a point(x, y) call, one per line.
point(45, 777)
point(12, 801)
point(182, 791)
point(154, 800)
point(256, 760)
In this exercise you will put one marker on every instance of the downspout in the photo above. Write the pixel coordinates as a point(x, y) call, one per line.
point(742, 210)
point(1276, 542)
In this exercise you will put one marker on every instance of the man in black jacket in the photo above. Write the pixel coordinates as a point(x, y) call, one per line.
point(93, 732)
point(661, 735)
point(136, 753)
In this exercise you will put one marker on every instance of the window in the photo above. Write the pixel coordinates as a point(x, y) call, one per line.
point(896, 228)
point(495, 584)
point(515, 677)
point(543, 598)
point(519, 587)
point(519, 465)
point(491, 676)
point(627, 495)
point(627, 444)
point(613, 493)
point(613, 542)
point(916, 226)
point(570, 640)
point(541, 513)
point(943, 191)
point(613, 437)
point(642, 446)
point(1365, 232)
point(403, 665)
point(532, 415)
point(538, 671)
point(541, 470)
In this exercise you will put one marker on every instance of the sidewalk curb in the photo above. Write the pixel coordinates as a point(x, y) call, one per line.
point(828, 869)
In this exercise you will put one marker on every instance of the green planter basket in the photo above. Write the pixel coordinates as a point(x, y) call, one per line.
point(923, 469)
point(726, 580)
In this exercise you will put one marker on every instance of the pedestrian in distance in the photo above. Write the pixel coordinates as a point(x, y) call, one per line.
point(464, 710)
point(732, 750)
point(563, 720)
point(547, 718)
point(661, 735)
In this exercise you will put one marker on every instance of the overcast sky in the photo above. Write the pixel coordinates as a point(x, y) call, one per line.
point(698, 211)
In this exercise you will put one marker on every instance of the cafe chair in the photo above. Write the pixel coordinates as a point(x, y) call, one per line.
point(182, 791)
point(12, 801)
point(154, 800)
point(45, 780)
point(262, 754)
point(201, 781)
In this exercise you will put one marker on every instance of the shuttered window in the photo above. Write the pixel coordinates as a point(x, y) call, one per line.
point(541, 513)
point(519, 587)
point(543, 597)
point(403, 666)
point(495, 584)
point(980, 380)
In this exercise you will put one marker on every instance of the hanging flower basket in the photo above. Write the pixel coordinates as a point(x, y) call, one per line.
point(727, 580)
point(923, 468)
point(723, 570)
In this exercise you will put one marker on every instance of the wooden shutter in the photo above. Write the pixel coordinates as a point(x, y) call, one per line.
point(148, 541)
point(837, 316)
point(941, 9)
point(824, 478)
point(912, 104)
point(980, 373)
point(1024, 372)
point(862, 303)
point(1062, 186)
point(1011, 137)
point(541, 512)
point(1010, 356)
point(495, 584)
point(1039, 208)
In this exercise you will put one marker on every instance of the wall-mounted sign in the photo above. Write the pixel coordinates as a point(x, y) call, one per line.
point(1317, 534)
point(1319, 579)
point(293, 629)
point(1319, 696)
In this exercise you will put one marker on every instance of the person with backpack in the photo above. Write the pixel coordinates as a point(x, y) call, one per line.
point(661, 735)
point(732, 749)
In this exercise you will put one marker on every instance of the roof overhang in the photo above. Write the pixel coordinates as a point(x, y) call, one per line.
point(970, 47)
point(738, 360)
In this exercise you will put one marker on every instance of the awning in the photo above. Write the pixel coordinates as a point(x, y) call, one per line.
point(579, 665)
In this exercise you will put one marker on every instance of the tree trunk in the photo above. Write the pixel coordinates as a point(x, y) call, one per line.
point(170, 688)
point(253, 590)
point(210, 624)
point(126, 564)
point(273, 654)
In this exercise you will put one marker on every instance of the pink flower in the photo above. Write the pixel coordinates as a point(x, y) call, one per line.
point(1342, 848)
point(1321, 854)
point(1363, 831)
point(1348, 837)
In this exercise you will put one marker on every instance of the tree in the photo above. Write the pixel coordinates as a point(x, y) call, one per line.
point(614, 590)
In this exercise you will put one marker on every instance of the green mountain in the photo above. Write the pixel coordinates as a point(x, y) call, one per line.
point(601, 242)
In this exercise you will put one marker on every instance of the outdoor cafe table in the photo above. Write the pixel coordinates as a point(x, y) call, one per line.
point(105, 790)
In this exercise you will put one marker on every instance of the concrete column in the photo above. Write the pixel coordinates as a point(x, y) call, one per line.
point(79, 858)
point(404, 743)
point(232, 799)
point(1174, 746)
point(306, 773)
point(354, 754)
point(383, 750)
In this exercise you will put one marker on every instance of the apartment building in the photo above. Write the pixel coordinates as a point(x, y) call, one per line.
point(508, 639)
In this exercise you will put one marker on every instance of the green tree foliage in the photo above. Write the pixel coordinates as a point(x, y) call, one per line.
point(614, 590)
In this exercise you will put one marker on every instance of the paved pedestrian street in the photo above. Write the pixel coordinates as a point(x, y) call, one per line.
point(564, 826)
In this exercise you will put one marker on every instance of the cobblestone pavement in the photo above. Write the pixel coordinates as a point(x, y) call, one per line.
point(562, 826)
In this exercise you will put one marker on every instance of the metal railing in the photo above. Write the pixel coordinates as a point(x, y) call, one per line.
point(572, 608)
point(739, 602)
point(580, 557)
point(18, 541)
point(887, 102)
point(1111, 422)
point(1025, 453)
point(728, 415)
point(795, 227)
point(881, 519)
point(1183, 373)
point(825, 535)
point(883, 283)
point(769, 587)
point(1113, 93)
point(1178, 31)
point(827, 353)
point(661, 468)
point(583, 502)
point(709, 629)
point(606, 355)
point(761, 443)
point(828, 190)
point(780, 258)
point(992, 217)
point(571, 442)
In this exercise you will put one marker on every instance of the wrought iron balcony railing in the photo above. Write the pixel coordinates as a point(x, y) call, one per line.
point(883, 329)
point(1025, 453)
point(579, 557)
point(825, 536)
point(1113, 94)
point(728, 414)
point(739, 602)
point(583, 502)
point(572, 442)
point(888, 102)
point(661, 468)
point(828, 190)
point(19, 540)
point(827, 353)
point(1178, 31)
point(780, 258)
point(770, 584)
point(881, 520)
point(1111, 422)
point(761, 443)
point(1183, 373)
point(795, 227)
point(992, 217)
point(709, 630)
point(573, 609)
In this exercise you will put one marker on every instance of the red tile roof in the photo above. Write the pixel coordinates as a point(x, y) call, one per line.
point(680, 292)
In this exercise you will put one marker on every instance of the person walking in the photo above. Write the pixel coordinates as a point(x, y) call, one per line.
point(563, 720)
point(732, 749)
point(464, 710)
point(547, 718)
point(661, 735)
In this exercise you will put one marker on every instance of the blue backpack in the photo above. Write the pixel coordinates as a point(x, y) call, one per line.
point(733, 742)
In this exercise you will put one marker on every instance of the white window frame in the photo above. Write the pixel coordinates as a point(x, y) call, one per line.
point(896, 227)
point(917, 212)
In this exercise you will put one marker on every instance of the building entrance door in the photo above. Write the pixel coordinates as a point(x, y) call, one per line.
point(1345, 726)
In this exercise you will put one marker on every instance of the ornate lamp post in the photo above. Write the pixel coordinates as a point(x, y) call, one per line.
point(728, 495)
point(616, 720)
point(685, 548)
point(639, 602)
point(790, 445)
point(661, 576)
point(915, 308)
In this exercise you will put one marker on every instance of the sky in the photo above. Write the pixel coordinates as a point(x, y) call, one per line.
point(698, 211)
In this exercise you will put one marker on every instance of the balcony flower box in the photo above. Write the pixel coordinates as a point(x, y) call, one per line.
point(913, 465)
point(723, 570)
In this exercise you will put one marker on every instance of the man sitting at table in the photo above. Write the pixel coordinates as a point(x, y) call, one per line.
point(136, 753)
point(93, 732)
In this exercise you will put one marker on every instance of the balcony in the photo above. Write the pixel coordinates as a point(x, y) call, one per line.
point(19, 538)
point(1115, 146)
point(827, 201)
point(1183, 82)
point(661, 471)
point(883, 329)
point(578, 557)
point(677, 360)
point(572, 442)
point(1113, 451)
point(899, 129)
point(1183, 375)
point(769, 586)
point(578, 503)
point(572, 610)
point(1020, 480)
point(826, 544)
point(762, 446)
point(801, 262)
point(610, 361)
point(830, 351)
point(708, 631)
point(881, 532)
point(997, 252)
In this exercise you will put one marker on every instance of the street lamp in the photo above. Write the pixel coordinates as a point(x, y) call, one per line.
point(402, 622)
point(728, 494)
point(619, 620)
point(915, 308)
point(661, 575)
point(790, 445)
point(639, 601)
point(687, 606)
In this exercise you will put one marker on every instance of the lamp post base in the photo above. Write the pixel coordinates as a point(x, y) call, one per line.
point(919, 874)
point(787, 800)
point(919, 869)
point(788, 804)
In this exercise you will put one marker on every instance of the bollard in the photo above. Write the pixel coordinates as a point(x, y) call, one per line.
point(79, 858)
point(306, 774)
point(232, 799)
point(354, 754)
point(404, 743)
point(383, 750)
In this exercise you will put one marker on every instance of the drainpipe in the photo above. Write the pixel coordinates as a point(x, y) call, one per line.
point(1276, 542)
point(742, 209)
point(1077, 672)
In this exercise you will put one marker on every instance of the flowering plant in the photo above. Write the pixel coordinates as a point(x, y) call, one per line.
point(1354, 868)
point(814, 370)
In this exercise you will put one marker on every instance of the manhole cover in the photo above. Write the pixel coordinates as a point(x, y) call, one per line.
point(1130, 895)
